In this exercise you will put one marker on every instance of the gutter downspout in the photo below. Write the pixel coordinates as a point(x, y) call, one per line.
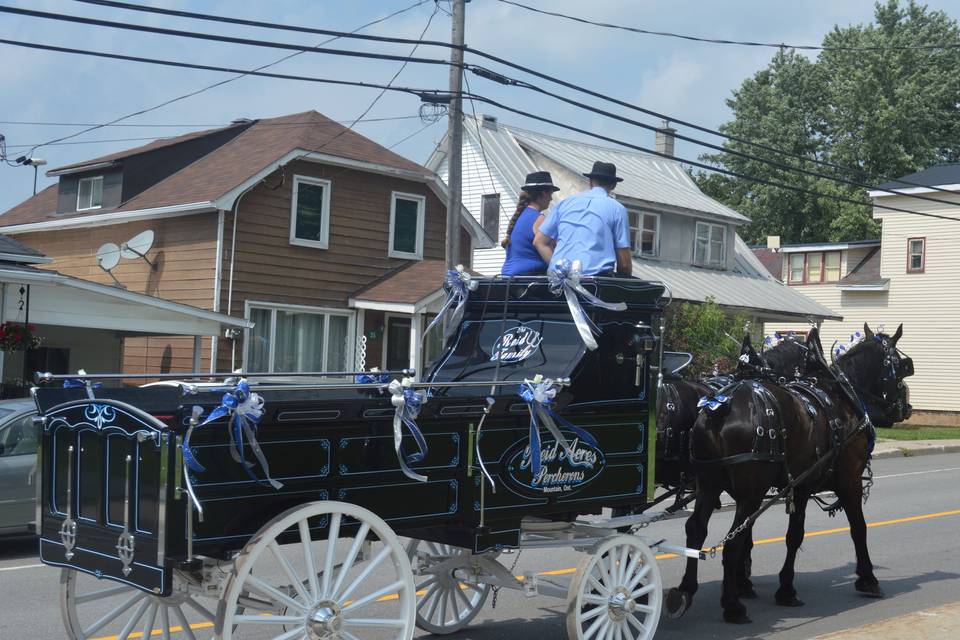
point(217, 273)
point(233, 253)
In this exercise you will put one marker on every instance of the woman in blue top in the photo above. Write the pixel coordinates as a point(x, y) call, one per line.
point(522, 258)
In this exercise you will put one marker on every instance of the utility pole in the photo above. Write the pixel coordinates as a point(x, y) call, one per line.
point(455, 136)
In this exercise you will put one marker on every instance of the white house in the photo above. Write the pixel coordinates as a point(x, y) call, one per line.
point(911, 275)
point(681, 236)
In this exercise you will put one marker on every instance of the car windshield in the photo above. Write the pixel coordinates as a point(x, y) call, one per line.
point(6, 412)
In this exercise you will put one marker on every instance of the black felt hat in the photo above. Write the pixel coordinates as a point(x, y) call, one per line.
point(604, 171)
point(539, 180)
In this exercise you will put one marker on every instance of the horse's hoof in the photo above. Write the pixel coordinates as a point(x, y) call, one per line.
point(736, 617)
point(869, 589)
point(747, 593)
point(788, 600)
point(676, 603)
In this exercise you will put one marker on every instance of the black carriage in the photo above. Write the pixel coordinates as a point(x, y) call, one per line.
point(147, 525)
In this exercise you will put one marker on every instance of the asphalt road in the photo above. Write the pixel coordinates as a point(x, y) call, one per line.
point(914, 537)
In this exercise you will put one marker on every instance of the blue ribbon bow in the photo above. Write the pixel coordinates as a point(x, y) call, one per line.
point(565, 278)
point(407, 403)
point(458, 285)
point(82, 383)
point(245, 410)
point(713, 403)
point(374, 377)
point(540, 395)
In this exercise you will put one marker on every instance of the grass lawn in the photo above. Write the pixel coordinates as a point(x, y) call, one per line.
point(923, 433)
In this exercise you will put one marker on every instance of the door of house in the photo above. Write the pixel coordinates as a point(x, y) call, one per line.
point(397, 347)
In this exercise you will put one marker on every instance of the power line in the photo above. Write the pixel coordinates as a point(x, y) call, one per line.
point(412, 135)
point(518, 67)
point(693, 163)
point(212, 37)
point(437, 96)
point(259, 124)
point(486, 74)
point(389, 84)
point(213, 125)
point(430, 94)
point(774, 45)
point(239, 75)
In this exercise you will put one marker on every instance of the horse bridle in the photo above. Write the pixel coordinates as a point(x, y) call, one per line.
point(897, 366)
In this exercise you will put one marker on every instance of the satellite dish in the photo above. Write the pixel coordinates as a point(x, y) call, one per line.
point(108, 256)
point(138, 245)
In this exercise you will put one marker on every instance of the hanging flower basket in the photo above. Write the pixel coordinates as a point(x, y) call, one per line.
point(15, 336)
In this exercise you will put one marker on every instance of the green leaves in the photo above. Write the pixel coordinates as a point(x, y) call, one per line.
point(884, 112)
point(706, 331)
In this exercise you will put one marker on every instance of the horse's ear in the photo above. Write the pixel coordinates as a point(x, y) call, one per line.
point(746, 346)
point(867, 332)
point(898, 334)
point(813, 336)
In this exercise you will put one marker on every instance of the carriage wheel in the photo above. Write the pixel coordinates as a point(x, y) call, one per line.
point(94, 608)
point(616, 592)
point(445, 604)
point(320, 589)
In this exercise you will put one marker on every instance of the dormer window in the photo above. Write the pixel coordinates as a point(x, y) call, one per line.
point(710, 247)
point(90, 193)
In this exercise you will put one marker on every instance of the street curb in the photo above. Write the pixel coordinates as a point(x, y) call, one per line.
point(907, 452)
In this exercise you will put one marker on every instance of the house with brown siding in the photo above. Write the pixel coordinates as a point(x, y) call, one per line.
point(280, 221)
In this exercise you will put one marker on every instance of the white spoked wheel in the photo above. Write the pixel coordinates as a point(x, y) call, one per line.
point(615, 593)
point(98, 608)
point(290, 586)
point(445, 603)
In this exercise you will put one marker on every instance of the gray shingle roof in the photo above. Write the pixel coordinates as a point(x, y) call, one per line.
point(936, 176)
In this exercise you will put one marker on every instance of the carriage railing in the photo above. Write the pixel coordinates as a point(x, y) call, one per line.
point(42, 377)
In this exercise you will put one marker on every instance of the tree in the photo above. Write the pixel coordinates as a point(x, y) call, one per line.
point(706, 331)
point(889, 112)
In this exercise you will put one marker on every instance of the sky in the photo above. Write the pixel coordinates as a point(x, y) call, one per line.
point(687, 80)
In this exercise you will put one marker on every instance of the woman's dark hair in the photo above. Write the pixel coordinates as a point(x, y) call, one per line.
point(526, 197)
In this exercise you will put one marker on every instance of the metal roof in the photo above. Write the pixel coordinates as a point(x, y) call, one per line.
point(645, 177)
point(936, 176)
point(748, 286)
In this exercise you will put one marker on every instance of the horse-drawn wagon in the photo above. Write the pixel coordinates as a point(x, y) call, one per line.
point(247, 508)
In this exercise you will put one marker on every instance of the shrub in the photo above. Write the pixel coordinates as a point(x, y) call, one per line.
point(706, 331)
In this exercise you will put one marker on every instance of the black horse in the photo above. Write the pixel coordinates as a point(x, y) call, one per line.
point(814, 433)
point(782, 362)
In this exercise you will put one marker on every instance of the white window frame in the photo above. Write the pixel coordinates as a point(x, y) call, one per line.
point(92, 179)
point(324, 241)
point(273, 307)
point(638, 236)
point(709, 261)
point(421, 214)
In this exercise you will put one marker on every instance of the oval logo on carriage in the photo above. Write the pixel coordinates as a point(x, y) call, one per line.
point(561, 471)
point(515, 345)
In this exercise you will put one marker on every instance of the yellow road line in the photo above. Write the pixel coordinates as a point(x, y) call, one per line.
point(662, 556)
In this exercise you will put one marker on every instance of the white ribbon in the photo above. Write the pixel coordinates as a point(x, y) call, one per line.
point(565, 277)
point(407, 403)
point(458, 285)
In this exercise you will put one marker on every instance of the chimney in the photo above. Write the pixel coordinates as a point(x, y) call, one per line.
point(489, 122)
point(665, 139)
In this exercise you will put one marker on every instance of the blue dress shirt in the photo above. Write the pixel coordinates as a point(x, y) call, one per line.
point(589, 226)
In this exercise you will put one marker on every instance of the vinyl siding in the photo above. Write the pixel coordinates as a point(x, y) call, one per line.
point(928, 304)
point(478, 181)
point(184, 252)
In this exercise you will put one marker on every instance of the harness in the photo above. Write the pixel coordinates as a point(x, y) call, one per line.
point(769, 434)
point(674, 443)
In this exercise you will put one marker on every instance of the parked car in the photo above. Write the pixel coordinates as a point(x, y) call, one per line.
point(18, 465)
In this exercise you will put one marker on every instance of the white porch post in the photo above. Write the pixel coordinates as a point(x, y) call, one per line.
point(359, 350)
point(415, 330)
point(197, 347)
